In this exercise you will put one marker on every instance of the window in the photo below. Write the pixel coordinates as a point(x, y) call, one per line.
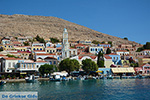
point(13, 64)
point(96, 49)
point(91, 49)
point(54, 62)
point(33, 48)
point(9, 64)
point(40, 48)
point(47, 50)
point(37, 48)
point(50, 62)
point(37, 66)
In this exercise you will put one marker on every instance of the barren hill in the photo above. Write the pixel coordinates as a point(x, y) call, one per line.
point(25, 25)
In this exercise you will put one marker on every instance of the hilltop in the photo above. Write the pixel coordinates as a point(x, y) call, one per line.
point(26, 25)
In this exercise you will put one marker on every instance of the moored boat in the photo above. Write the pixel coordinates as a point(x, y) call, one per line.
point(2, 82)
point(30, 79)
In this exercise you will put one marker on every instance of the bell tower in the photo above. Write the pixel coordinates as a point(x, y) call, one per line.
point(65, 45)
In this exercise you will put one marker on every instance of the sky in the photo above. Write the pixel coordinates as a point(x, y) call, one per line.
point(121, 18)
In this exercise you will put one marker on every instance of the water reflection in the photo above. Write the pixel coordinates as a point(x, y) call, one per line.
point(115, 89)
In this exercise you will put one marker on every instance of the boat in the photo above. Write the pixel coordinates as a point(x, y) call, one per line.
point(2, 82)
point(30, 79)
point(110, 77)
point(55, 78)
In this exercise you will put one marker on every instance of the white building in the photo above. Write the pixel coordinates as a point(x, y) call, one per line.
point(122, 52)
point(9, 64)
point(95, 49)
point(66, 51)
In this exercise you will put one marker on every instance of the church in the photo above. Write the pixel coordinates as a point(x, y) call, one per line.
point(67, 52)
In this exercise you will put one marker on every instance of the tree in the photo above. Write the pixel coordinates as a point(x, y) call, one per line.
point(89, 65)
point(110, 42)
point(41, 40)
point(26, 43)
point(1, 49)
point(125, 38)
point(95, 42)
point(100, 60)
point(54, 40)
point(103, 42)
point(69, 65)
point(76, 64)
point(108, 51)
point(47, 69)
point(147, 46)
point(140, 49)
point(11, 56)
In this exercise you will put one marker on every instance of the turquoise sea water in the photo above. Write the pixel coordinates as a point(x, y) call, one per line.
point(116, 89)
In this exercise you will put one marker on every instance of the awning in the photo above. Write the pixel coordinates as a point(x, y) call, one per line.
point(99, 71)
point(23, 72)
point(123, 70)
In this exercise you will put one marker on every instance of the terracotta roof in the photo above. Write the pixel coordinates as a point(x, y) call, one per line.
point(59, 48)
point(45, 54)
point(80, 57)
point(146, 50)
point(72, 48)
point(38, 50)
point(93, 57)
point(122, 51)
point(50, 58)
point(41, 61)
point(107, 57)
point(111, 54)
point(49, 47)
point(80, 44)
point(2, 55)
point(16, 42)
point(24, 52)
point(11, 58)
point(146, 64)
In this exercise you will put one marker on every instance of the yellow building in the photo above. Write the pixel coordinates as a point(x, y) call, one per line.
point(37, 46)
point(8, 47)
point(108, 61)
point(20, 48)
point(142, 61)
point(50, 50)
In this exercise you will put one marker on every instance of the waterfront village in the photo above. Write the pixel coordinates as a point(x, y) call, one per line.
point(26, 55)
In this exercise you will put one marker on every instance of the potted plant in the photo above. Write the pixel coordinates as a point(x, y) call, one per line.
point(14, 77)
point(9, 76)
point(3, 77)
point(21, 76)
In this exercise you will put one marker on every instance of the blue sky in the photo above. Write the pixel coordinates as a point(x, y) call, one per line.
point(121, 18)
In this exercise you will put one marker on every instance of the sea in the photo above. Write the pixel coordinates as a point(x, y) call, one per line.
point(100, 89)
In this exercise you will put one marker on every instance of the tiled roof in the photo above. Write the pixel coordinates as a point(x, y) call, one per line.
point(50, 58)
point(59, 48)
point(12, 58)
point(107, 57)
point(45, 54)
point(122, 51)
point(41, 61)
point(111, 54)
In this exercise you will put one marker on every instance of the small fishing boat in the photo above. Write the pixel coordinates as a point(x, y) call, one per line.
point(2, 82)
point(110, 77)
point(55, 78)
point(30, 79)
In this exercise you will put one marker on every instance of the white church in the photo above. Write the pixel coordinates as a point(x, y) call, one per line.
point(67, 52)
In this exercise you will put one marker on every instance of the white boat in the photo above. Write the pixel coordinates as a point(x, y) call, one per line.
point(55, 78)
point(30, 79)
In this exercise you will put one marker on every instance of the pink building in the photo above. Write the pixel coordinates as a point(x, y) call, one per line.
point(145, 69)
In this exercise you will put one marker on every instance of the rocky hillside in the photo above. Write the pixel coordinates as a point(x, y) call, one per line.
point(25, 25)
